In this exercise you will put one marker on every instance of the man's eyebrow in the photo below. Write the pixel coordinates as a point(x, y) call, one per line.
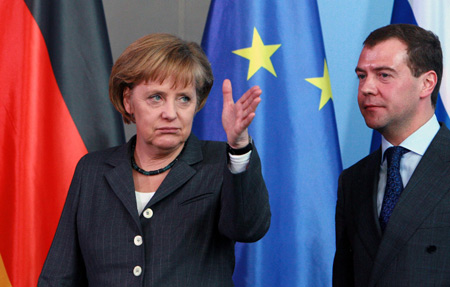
point(381, 68)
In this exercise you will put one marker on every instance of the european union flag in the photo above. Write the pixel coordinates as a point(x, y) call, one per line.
point(278, 45)
point(430, 15)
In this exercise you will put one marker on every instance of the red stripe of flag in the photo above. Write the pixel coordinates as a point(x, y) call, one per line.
point(39, 146)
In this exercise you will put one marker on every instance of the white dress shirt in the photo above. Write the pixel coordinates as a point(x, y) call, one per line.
point(417, 143)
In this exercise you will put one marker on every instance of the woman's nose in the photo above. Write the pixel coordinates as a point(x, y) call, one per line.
point(169, 111)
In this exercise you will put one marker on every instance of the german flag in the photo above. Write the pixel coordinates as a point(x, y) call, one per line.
point(55, 61)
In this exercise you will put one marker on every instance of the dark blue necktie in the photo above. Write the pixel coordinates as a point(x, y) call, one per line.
point(394, 184)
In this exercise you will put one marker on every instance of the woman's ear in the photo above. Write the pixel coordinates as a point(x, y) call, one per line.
point(127, 100)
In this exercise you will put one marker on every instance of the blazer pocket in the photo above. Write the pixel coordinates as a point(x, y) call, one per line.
point(437, 220)
point(196, 198)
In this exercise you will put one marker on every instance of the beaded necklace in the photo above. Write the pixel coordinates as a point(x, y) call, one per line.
point(151, 172)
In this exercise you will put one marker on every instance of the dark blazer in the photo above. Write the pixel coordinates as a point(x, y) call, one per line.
point(198, 213)
point(415, 247)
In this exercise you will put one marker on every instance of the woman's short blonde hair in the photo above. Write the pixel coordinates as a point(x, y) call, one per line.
point(157, 57)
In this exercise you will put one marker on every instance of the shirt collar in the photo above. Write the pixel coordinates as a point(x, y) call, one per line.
point(418, 141)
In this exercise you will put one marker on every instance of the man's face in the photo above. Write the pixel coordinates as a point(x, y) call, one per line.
point(388, 93)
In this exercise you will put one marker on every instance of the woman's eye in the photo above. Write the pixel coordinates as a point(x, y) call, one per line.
point(185, 99)
point(155, 98)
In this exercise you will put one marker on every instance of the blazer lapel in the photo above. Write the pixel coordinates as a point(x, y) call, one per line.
point(364, 207)
point(427, 186)
point(182, 171)
point(120, 178)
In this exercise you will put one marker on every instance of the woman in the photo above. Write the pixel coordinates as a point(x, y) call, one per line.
point(165, 209)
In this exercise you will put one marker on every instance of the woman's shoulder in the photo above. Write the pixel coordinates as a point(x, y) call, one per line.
point(194, 142)
point(197, 149)
point(99, 157)
point(213, 147)
point(213, 144)
point(104, 153)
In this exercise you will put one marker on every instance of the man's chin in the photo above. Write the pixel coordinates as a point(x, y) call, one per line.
point(374, 123)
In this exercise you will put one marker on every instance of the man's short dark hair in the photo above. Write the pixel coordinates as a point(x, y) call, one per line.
point(424, 49)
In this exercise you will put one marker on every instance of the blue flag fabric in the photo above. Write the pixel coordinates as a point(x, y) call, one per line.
point(278, 45)
point(433, 17)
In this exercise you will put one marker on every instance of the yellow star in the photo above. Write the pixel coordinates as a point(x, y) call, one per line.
point(259, 55)
point(323, 83)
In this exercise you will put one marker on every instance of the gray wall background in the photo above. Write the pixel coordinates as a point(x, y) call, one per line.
point(128, 20)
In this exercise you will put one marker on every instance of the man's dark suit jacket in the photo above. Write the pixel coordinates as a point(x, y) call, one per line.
point(199, 211)
point(415, 247)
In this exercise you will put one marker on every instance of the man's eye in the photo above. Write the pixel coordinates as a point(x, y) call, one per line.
point(361, 76)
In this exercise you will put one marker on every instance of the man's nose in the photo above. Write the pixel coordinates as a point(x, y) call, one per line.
point(368, 85)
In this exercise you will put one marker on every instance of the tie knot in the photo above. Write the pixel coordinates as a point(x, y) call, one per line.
point(394, 154)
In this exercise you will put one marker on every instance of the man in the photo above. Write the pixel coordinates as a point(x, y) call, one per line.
point(393, 219)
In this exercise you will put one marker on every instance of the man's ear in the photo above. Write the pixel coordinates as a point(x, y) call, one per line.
point(429, 81)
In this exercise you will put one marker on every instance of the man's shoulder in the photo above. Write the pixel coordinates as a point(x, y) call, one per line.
point(370, 161)
point(443, 135)
point(440, 145)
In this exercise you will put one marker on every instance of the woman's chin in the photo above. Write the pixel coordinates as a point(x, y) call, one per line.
point(168, 145)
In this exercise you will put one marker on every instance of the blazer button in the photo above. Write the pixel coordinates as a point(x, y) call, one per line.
point(431, 249)
point(148, 213)
point(138, 240)
point(137, 271)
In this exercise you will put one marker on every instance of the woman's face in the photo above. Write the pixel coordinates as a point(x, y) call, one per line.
point(163, 113)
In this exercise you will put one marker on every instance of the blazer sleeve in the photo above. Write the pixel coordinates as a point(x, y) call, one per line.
point(343, 259)
point(64, 265)
point(245, 211)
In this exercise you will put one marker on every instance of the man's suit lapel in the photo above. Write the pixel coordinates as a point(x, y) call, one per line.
point(427, 186)
point(366, 219)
